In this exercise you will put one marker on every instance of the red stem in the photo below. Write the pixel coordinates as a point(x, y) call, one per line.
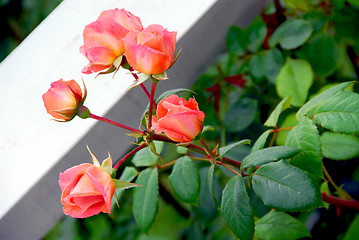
point(118, 164)
point(341, 203)
point(142, 86)
point(93, 116)
point(151, 105)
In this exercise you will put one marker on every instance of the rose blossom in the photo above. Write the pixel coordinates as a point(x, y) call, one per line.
point(103, 38)
point(86, 190)
point(151, 50)
point(63, 99)
point(179, 119)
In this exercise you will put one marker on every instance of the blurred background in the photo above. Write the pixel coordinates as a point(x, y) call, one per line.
point(18, 18)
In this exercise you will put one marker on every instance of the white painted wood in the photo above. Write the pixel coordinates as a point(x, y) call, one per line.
point(30, 144)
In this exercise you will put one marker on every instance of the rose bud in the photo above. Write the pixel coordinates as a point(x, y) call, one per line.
point(103, 39)
point(86, 190)
point(63, 99)
point(179, 119)
point(151, 50)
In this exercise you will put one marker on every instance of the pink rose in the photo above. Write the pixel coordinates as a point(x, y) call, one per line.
point(63, 99)
point(103, 38)
point(86, 190)
point(150, 51)
point(179, 119)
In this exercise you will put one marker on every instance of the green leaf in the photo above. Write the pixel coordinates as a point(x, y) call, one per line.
point(340, 113)
point(261, 141)
point(297, 4)
point(306, 137)
point(141, 79)
point(273, 61)
point(185, 180)
point(289, 121)
point(156, 148)
point(314, 102)
point(240, 115)
point(257, 66)
point(211, 186)
point(291, 34)
point(256, 33)
point(353, 230)
point(286, 187)
point(338, 146)
point(173, 91)
point(236, 41)
point(322, 54)
point(354, 2)
point(339, 4)
point(280, 226)
point(128, 174)
point(145, 157)
point(269, 155)
point(237, 210)
point(145, 199)
point(124, 185)
point(225, 149)
point(266, 64)
point(281, 107)
point(295, 79)
point(181, 150)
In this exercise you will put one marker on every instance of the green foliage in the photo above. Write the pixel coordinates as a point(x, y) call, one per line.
point(340, 113)
point(266, 64)
point(338, 146)
point(294, 80)
point(268, 155)
point(185, 180)
point(212, 187)
point(145, 157)
point(280, 226)
point(276, 181)
point(145, 198)
point(224, 150)
point(353, 231)
point(273, 118)
point(236, 208)
point(291, 34)
point(261, 141)
point(128, 174)
point(306, 137)
point(322, 54)
point(311, 105)
point(241, 114)
point(236, 41)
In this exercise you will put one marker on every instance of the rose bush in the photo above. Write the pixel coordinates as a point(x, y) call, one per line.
point(103, 38)
point(151, 50)
point(63, 99)
point(179, 119)
point(86, 190)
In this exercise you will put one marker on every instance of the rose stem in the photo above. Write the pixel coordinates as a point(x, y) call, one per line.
point(339, 202)
point(118, 164)
point(151, 105)
point(93, 116)
point(142, 86)
point(207, 149)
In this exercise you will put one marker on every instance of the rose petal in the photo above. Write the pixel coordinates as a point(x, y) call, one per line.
point(103, 183)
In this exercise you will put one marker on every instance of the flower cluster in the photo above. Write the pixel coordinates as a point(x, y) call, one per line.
point(115, 39)
point(116, 33)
